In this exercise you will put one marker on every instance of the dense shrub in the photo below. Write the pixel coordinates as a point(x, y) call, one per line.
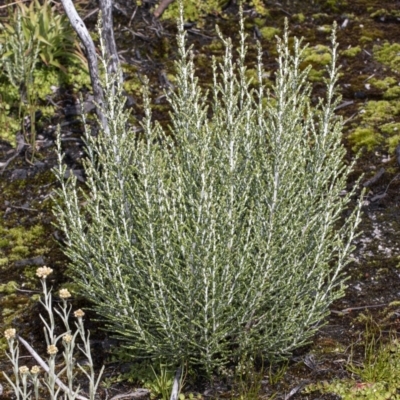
point(220, 236)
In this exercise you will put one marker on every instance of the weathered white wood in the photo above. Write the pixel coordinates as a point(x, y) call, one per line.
point(47, 369)
point(108, 36)
point(175, 387)
point(84, 36)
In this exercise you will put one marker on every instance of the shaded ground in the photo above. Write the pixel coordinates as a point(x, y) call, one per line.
point(28, 240)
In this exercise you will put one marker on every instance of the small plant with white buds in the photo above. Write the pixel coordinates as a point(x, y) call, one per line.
point(25, 378)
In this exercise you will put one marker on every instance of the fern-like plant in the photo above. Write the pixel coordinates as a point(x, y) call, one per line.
point(219, 237)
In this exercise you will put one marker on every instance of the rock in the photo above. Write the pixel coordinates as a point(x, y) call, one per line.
point(39, 260)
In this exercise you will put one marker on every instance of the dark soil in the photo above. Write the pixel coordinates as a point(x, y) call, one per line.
point(148, 45)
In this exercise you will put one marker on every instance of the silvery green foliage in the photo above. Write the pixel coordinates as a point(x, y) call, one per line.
point(18, 56)
point(220, 236)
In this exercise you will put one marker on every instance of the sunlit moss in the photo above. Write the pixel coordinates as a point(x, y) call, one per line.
point(260, 22)
point(18, 243)
point(389, 55)
point(259, 7)
point(391, 129)
point(379, 112)
point(384, 12)
point(365, 39)
point(393, 142)
point(392, 93)
point(351, 52)
point(299, 17)
point(194, 9)
point(9, 287)
point(383, 84)
point(318, 54)
point(365, 137)
point(19, 252)
point(318, 16)
point(216, 44)
point(269, 32)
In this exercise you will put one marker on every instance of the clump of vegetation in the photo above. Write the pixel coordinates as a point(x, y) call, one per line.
point(38, 52)
point(269, 32)
point(196, 9)
point(378, 126)
point(389, 55)
point(376, 377)
point(317, 57)
point(204, 243)
point(351, 52)
point(365, 137)
point(17, 243)
point(30, 383)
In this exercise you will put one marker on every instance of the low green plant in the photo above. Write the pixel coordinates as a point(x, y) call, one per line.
point(248, 380)
point(161, 385)
point(20, 57)
point(381, 360)
point(217, 239)
point(48, 29)
point(157, 378)
point(36, 37)
point(377, 377)
point(276, 372)
point(27, 383)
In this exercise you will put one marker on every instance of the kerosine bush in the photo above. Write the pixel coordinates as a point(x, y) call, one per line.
point(220, 236)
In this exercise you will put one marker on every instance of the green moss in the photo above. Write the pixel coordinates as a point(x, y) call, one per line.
point(392, 93)
point(392, 143)
point(259, 7)
point(216, 44)
point(351, 52)
point(320, 16)
point(251, 74)
point(383, 12)
point(133, 86)
point(365, 39)
point(333, 5)
point(318, 54)
point(269, 33)
point(383, 84)
point(19, 243)
point(19, 252)
point(366, 137)
point(299, 17)
point(4, 243)
point(194, 9)
point(379, 112)
point(389, 55)
point(378, 125)
point(9, 287)
point(260, 22)
point(391, 128)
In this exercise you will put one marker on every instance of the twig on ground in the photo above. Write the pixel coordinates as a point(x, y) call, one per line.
point(46, 367)
point(162, 7)
point(375, 178)
point(21, 145)
point(137, 394)
point(350, 309)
